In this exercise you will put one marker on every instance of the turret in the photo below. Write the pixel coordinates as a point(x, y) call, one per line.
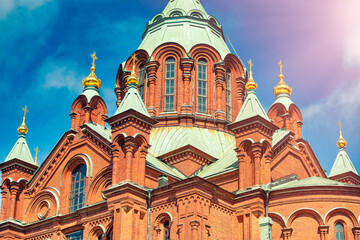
point(253, 132)
point(89, 107)
point(343, 169)
point(17, 169)
point(283, 112)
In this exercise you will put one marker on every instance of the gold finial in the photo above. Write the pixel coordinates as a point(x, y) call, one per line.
point(36, 156)
point(23, 129)
point(92, 80)
point(251, 84)
point(282, 87)
point(341, 143)
point(133, 79)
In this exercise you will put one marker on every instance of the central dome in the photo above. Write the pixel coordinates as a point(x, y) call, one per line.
point(186, 23)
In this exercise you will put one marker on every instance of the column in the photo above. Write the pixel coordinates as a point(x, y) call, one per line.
point(241, 158)
point(299, 129)
point(220, 98)
point(240, 82)
point(179, 231)
point(286, 233)
point(116, 165)
point(267, 168)
point(356, 232)
point(187, 65)
point(287, 121)
point(151, 69)
point(129, 150)
point(4, 195)
point(73, 120)
point(14, 191)
point(194, 229)
point(141, 167)
point(265, 228)
point(88, 110)
point(257, 151)
point(324, 231)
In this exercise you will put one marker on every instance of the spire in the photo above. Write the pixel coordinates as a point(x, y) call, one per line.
point(92, 80)
point(36, 156)
point(341, 143)
point(342, 162)
point(251, 106)
point(282, 87)
point(21, 150)
point(132, 99)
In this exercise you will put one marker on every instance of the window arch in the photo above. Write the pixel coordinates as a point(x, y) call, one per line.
point(228, 94)
point(202, 86)
point(169, 85)
point(77, 191)
point(142, 78)
point(166, 230)
point(339, 231)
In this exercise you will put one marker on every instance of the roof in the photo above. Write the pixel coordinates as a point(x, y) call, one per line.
point(102, 131)
point(279, 135)
point(311, 181)
point(283, 99)
point(90, 92)
point(342, 164)
point(20, 151)
point(184, 22)
point(251, 108)
point(132, 101)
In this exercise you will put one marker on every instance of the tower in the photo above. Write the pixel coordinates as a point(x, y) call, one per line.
point(17, 169)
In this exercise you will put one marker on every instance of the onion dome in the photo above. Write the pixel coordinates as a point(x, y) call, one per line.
point(282, 87)
point(251, 84)
point(23, 130)
point(133, 80)
point(341, 143)
point(92, 80)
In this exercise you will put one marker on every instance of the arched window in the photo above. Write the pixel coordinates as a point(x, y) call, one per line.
point(202, 86)
point(339, 231)
point(77, 192)
point(170, 85)
point(166, 230)
point(228, 95)
point(142, 77)
point(78, 235)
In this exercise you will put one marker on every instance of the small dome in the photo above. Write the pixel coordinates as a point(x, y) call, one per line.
point(92, 80)
point(282, 87)
point(251, 84)
point(341, 143)
point(23, 130)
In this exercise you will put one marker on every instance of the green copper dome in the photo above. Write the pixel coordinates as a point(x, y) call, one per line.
point(184, 22)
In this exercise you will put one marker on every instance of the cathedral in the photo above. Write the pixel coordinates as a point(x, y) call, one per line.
point(189, 154)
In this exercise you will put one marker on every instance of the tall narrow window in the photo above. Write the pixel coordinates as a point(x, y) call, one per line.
point(228, 95)
point(166, 230)
point(78, 235)
point(202, 86)
point(142, 77)
point(169, 85)
point(77, 192)
point(339, 231)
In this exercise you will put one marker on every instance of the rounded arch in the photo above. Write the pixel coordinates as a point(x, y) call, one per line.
point(276, 110)
point(162, 217)
point(294, 111)
point(233, 63)
point(246, 144)
point(279, 217)
point(6, 181)
point(96, 231)
point(140, 139)
point(196, 14)
point(157, 17)
point(45, 204)
point(310, 211)
point(176, 12)
point(142, 57)
point(205, 51)
point(102, 180)
point(167, 50)
point(213, 20)
point(76, 160)
point(344, 211)
point(119, 138)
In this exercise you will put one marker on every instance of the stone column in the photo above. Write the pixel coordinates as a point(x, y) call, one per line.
point(151, 68)
point(4, 195)
point(265, 228)
point(73, 120)
point(241, 158)
point(286, 233)
point(179, 231)
point(141, 167)
point(299, 129)
point(116, 165)
point(256, 151)
point(129, 147)
point(220, 97)
point(14, 191)
point(287, 121)
point(267, 168)
point(194, 229)
point(187, 65)
point(88, 110)
point(356, 232)
point(323, 231)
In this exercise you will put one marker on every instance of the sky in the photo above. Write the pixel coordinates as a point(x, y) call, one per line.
point(45, 48)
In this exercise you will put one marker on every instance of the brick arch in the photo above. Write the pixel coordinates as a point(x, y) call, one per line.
point(48, 198)
point(101, 180)
point(343, 211)
point(205, 51)
point(233, 63)
point(295, 112)
point(75, 161)
point(77, 111)
point(96, 232)
point(280, 217)
point(99, 112)
point(166, 50)
point(246, 144)
point(276, 110)
point(6, 181)
point(317, 216)
point(119, 139)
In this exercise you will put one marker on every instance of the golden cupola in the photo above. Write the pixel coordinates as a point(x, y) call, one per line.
point(341, 143)
point(23, 130)
point(133, 80)
point(92, 80)
point(251, 84)
point(282, 87)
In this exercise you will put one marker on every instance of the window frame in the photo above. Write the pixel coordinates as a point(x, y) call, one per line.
point(228, 94)
point(75, 236)
point(142, 79)
point(202, 85)
point(339, 231)
point(169, 91)
point(77, 188)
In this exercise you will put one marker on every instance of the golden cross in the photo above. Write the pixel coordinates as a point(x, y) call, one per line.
point(340, 126)
point(134, 58)
point(94, 57)
point(25, 111)
point(251, 64)
point(36, 157)
point(281, 67)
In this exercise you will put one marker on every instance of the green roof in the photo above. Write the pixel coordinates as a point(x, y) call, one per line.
point(184, 22)
point(284, 99)
point(251, 108)
point(20, 151)
point(342, 164)
point(311, 181)
point(90, 92)
point(132, 101)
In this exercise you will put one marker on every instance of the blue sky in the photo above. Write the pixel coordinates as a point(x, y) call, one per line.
point(45, 49)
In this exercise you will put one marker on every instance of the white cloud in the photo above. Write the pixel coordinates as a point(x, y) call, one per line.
point(8, 6)
point(352, 49)
point(60, 74)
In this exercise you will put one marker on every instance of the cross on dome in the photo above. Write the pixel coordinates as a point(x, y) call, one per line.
point(94, 57)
